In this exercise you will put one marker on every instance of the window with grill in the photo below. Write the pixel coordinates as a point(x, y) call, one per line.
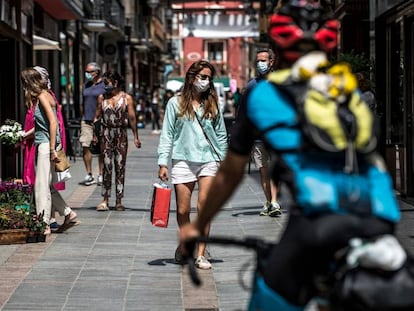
point(215, 51)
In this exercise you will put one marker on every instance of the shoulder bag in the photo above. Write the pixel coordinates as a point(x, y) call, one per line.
point(63, 164)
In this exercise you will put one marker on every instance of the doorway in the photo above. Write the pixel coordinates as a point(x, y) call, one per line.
point(399, 108)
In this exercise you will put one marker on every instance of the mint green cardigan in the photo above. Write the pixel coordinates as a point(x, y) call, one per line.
point(183, 138)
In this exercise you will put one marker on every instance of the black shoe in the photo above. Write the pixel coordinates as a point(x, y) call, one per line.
point(179, 258)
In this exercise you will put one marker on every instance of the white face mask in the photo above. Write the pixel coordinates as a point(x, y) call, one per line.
point(262, 67)
point(201, 85)
point(88, 76)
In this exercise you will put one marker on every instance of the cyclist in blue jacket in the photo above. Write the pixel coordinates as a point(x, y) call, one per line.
point(340, 191)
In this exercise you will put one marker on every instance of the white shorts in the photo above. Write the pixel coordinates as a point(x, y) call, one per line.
point(184, 171)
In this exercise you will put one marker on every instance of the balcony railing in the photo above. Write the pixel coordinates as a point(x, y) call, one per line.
point(111, 11)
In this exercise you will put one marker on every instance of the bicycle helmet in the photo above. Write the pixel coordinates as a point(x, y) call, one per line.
point(302, 26)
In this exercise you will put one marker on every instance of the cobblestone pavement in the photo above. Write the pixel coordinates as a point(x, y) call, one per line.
point(119, 261)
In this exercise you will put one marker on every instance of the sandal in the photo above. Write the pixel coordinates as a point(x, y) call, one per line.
point(102, 207)
point(63, 227)
point(70, 218)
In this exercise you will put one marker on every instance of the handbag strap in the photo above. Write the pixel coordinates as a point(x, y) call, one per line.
point(206, 136)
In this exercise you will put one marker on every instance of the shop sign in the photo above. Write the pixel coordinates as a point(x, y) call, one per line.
point(193, 56)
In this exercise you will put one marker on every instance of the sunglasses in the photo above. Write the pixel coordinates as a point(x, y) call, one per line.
point(90, 71)
point(204, 77)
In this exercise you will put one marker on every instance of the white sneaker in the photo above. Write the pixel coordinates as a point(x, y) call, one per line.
point(274, 209)
point(88, 180)
point(202, 263)
point(100, 180)
point(265, 209)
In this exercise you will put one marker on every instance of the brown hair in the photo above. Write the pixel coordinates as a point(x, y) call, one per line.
point(34, 85)
point(363, 83)
point(209, 98)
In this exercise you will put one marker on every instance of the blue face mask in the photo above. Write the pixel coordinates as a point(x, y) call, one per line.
point(262, 67)
point(88, 76)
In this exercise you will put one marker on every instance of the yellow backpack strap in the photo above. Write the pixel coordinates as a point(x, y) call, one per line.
point(365, 139)
point(279, 76)
point(321, 113)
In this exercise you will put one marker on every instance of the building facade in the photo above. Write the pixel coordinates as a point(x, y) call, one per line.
point(394, 38)
point(150, 42)
point(29, 34)
point(223, 32)
point(63, 36)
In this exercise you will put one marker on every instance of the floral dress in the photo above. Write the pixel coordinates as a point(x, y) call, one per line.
point(114, 144)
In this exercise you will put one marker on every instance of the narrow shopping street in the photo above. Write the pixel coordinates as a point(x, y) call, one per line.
point(119, 261)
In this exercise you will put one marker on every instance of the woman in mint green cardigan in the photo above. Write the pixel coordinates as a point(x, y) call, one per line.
point(194, 136)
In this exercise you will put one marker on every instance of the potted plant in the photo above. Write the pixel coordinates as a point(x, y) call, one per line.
point(13, 225)
point(36, 227)
point(19, 222)
point(11, 132)
point(16, 194)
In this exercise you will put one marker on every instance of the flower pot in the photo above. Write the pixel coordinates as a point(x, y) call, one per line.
point(13, 236)
point(31, 239)
point(35, 237)
point(40, 238)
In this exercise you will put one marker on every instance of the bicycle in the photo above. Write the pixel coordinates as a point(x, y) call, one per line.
point(342, 289)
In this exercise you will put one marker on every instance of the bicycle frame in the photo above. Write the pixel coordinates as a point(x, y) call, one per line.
point(262, 297)
point(367, 289)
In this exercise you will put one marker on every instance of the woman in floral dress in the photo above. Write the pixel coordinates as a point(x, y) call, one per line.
point(115, 109)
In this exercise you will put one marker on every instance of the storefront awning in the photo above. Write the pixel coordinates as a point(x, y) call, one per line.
point(63, 9)
point(41, 43)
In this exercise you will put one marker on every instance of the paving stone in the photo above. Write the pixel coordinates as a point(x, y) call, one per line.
point(119, 261)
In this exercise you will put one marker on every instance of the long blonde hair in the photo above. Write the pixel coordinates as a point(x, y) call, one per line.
point(209, 98)
point(33, 84)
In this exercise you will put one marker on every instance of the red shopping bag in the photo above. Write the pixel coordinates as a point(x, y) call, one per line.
point(160, 207)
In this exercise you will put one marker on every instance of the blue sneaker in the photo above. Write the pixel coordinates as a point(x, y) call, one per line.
point(54, 226)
